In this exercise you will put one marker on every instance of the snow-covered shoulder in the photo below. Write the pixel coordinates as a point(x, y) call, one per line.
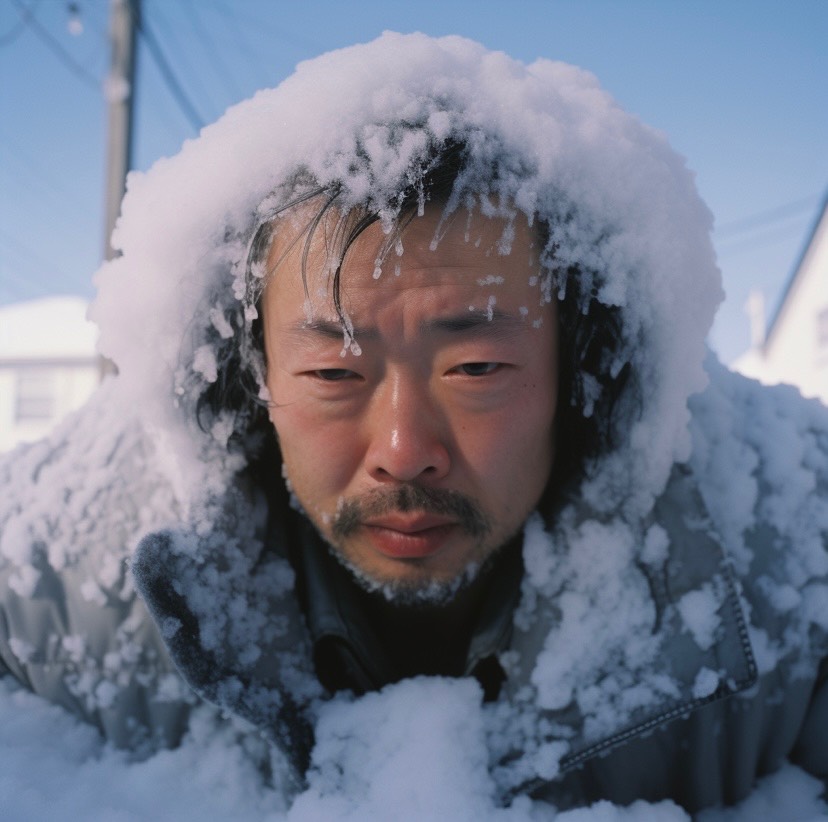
point(761, 456)
point(73, 630)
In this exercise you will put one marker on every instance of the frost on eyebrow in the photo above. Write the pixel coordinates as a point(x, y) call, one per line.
point(491, 279)
point(307, 307)
point(349, 342)
point(333, 329)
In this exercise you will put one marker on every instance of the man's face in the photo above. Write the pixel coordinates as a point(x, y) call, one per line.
point(420, 449)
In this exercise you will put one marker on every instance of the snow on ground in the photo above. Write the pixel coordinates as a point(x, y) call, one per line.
point(54, 768)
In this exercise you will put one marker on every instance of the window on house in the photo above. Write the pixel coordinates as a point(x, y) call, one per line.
point(36, 396)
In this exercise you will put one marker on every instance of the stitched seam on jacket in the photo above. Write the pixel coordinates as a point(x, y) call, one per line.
point(568, 763)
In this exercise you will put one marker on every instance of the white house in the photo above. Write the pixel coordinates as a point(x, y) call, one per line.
point(48, 365)
point(794, 348)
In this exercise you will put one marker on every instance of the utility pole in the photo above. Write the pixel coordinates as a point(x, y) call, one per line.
point(119, 92)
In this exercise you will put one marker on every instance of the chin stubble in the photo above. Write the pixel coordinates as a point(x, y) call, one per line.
point(351, 514)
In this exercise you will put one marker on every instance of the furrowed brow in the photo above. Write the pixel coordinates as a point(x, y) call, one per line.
point(330, 329)
point(494, 324)
point(498, 324)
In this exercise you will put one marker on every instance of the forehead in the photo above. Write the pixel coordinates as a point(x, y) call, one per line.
point(440, 258)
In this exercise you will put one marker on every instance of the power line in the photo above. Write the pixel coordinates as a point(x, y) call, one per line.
point(770, 236)
point(216, 61)
point(28, 19)
point(267, 30)
point(167, 33)
point(764, 218)
point(244, 47)
point(168, 76)
point(17, 29)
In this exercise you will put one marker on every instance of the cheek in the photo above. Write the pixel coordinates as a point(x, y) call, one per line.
point(319, 458)
point(511, 452)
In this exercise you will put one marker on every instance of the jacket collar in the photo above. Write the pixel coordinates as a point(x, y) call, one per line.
point(607, 648)
point(620, 627)
point(336, 617)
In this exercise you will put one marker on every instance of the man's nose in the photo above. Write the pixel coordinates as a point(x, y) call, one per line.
point(407, 434)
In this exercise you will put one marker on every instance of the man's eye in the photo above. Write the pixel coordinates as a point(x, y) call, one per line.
point(477, 369)
point(333, 374)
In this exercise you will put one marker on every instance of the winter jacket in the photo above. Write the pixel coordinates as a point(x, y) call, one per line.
point(737, 682)
point(741, 656)
point(671, 633)
point(71, 626)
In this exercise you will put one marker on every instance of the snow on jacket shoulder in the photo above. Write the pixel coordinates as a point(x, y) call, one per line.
point(72, 628)
point(682, 656)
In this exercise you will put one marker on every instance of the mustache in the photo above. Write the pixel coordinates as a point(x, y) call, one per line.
point(441, 501)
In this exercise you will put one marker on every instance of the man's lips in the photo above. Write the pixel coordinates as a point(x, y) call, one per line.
point(409, 523)
point(415, 536)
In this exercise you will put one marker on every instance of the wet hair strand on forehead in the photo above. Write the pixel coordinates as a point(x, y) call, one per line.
point(593, 376)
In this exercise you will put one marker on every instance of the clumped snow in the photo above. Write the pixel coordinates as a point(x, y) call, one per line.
point(421, 762)
point(623, 207)
point(62, 493)
point(767, 469)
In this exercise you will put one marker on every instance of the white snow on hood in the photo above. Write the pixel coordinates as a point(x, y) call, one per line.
point(621, 202)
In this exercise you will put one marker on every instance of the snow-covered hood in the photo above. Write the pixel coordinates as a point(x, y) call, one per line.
point(621, 204)
point(622, 211)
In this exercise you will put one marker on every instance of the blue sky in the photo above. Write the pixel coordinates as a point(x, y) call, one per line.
point(738, 87)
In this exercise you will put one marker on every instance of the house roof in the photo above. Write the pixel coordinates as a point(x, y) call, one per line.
point(822, 216)
point(52, 328)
